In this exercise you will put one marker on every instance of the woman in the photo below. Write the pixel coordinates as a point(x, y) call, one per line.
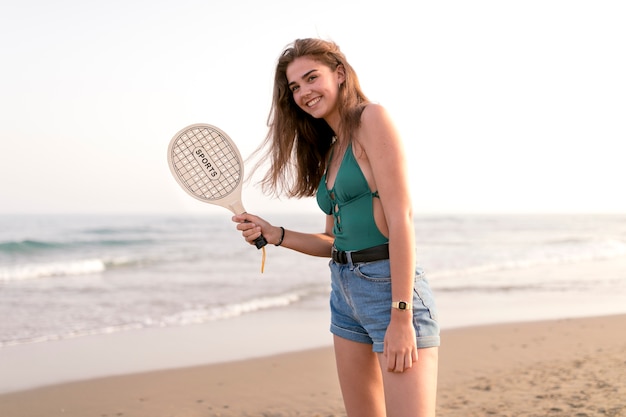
point(326, 139)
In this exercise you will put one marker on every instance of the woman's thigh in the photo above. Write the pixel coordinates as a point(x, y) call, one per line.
point(412, 393)
point(360, 378)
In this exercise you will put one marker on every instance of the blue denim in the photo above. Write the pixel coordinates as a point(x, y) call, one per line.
point(360, 304)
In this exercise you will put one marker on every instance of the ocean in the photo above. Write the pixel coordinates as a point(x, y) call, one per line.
point(65, 277)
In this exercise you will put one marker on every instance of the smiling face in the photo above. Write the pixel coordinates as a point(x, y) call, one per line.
point(315, 88)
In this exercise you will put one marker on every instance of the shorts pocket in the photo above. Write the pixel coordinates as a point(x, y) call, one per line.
point(424, 294)
point(377, 271)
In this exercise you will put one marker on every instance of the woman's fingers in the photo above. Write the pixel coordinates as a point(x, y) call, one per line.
point(400, 362)
point(250, 231)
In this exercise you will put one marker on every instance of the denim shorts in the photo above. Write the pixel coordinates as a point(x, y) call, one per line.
point(360, 304)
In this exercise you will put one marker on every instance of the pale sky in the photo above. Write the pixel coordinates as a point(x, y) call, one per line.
point(504, 106)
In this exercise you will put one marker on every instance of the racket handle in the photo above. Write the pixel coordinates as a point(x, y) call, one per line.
point(259, 242)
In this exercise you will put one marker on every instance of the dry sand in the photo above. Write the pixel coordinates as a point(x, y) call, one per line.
point(558, 368)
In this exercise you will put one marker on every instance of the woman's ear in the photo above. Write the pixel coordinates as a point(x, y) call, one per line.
point(341, 74)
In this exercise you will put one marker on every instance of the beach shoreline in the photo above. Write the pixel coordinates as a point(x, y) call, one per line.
point(245, 337)
point(275, 331)
point(504, 353)
point(561, 367)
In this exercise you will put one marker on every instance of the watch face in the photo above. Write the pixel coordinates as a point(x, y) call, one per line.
point(402, 305)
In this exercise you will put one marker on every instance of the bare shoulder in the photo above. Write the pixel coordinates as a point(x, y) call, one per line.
point(376, 126)
point(374, 114)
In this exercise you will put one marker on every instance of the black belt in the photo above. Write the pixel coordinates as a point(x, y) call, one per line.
point(375, 253)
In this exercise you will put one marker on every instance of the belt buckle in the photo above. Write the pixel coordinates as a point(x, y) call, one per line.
point(343, 257)
point(339, 256)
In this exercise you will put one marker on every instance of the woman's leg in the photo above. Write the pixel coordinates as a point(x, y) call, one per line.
point(360, 378)
point(412, 393)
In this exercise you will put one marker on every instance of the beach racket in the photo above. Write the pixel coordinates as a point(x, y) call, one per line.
point(207, 164)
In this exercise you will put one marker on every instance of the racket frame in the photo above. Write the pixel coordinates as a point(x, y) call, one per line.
point(231, 198)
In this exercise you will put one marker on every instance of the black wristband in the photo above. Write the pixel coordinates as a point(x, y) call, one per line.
point(282, 236)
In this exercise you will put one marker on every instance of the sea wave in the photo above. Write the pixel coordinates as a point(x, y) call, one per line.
point(70, 335)
point(203, 315)
point(561, 255)
point(25, 246)
point(29, 247)
point(35, 269)
point(51, 269)
point(187, 317)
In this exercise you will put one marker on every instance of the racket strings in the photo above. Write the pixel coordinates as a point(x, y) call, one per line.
point(206, 163)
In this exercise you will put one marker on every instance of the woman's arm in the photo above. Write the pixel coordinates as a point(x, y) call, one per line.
point(314, 244)
point(388, 172)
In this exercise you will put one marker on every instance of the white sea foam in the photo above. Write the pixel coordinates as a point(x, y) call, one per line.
point(186, 317)
point(226, 311)
point(51, 269)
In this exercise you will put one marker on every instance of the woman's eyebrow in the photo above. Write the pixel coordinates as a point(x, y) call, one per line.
point(303, 76)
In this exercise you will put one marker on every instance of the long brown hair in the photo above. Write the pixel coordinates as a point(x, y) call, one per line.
point(297, 144)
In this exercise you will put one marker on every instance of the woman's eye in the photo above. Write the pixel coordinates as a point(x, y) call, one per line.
point(312, 78)
point(294, 88)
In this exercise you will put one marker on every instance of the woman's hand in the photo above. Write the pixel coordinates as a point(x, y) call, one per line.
point(400, 342)
point(315, 244)
point(252, 227)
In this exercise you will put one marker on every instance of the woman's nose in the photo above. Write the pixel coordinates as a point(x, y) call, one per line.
point(305, 91)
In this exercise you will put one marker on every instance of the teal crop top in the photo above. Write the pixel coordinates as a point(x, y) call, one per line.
point(351, 202)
